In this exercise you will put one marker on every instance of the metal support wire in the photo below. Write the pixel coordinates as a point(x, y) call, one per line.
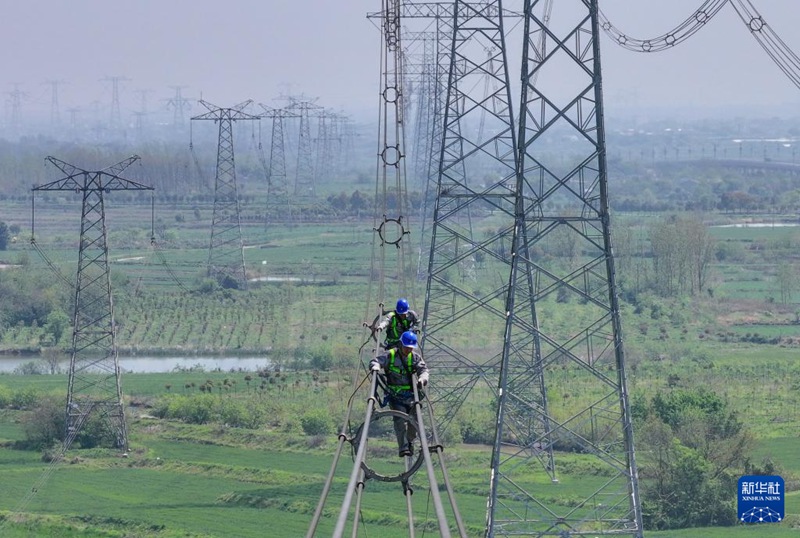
point(439, 448)
point(407, 493)
point(326, 489)
point(359, 497)
point(41, 252)
point(362, 472)
point(444, 529)
point(362, 449)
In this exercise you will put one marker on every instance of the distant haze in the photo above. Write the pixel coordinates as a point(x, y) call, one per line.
point(231, 51)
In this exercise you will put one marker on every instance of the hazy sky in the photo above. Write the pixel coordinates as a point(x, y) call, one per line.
point(235, 50)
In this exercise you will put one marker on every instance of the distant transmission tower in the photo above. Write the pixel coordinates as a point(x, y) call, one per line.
point(55, 113)
point(226, 254)
point(304, 181)
point(115, 118)
point(278, 200)
point(142, 112)
point(15, 103)
point(325, 167)
point(179, 105)
point(430, 70)
point(94, 374)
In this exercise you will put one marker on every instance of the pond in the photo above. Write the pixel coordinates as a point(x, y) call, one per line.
point(137, 364)
point(758, 225)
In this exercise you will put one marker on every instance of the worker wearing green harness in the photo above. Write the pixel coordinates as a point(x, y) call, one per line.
point(396, 322)
point(398, 364)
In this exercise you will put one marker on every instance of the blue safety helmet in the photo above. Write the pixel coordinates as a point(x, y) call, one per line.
point(408, 339)
point(402, 306)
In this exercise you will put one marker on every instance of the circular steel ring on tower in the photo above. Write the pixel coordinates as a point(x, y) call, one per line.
point(369, 472)
point(647, 46)
point(391, 24)
point(397, 230)
point(391, 94)
point(391, 155)
point(756, 24)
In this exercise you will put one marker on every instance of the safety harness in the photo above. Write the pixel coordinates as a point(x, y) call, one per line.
point(398, 393)
point(397, 326)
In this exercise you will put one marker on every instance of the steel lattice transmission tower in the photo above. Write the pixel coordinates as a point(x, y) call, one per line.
point(179, 104)
point(55, 114)
point(94, 374)
point(278, 200)
point(305, 109)
point(226, 252)
point(433, 70)
point(467, 273)
point(542, 254)
point(115, 117)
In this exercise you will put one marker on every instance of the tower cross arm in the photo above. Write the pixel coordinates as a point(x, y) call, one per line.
point(116, 169)
point(78, 179)
point(233, 113)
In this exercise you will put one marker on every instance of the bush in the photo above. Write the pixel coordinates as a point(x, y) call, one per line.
point(29, 368)
point(97, 430)
point(5, 397)
point(316, 422)
point(237, 414)
point(24, 398)
point(321, 358)
point(195, 409)
point(476, 428)
point(45, 424)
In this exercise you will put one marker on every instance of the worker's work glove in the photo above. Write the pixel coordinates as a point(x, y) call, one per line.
point(375, 367)
point(422, 381)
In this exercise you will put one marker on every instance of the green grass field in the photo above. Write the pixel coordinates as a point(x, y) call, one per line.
point(214, 481)
point(182, 480)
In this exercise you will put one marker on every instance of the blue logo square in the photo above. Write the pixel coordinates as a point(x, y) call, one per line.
point(761, 499)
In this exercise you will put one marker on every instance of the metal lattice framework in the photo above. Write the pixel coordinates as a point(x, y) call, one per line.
point(457, 256)
point(428, 69)
point(326, 157)
point(226, 251)
point(94, 374)
point(115, 118)
point(305, 109)
point(278, 200)
point(179, 105)
point(521, 236)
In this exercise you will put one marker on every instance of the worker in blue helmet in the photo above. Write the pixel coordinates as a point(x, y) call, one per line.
point(398, 365)
point(396, 322)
